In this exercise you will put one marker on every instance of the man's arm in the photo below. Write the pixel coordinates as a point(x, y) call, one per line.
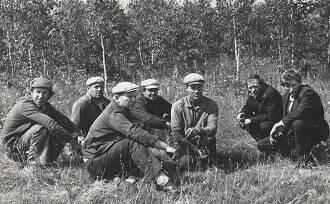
point(307, 106)
point(118, 121)
point(149, 120)
point(212, 122)
point(31, 112)
point(177, 124)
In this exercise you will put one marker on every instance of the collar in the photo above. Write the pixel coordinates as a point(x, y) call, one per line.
point(296, 92)
point(188, 103)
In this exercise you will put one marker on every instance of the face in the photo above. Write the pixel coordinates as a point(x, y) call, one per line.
point(40, 96)
point(151, 94)
point(289, 86)
point(195, 91)
point(254, 88)
point(126, 100)
point(96, 90)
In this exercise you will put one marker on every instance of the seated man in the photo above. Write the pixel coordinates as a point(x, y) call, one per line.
point(262, 109)
point(303, 124)
point(115, 146)
point(152, 110)
point(34, 131)
point(194, 124)
point(87, 108)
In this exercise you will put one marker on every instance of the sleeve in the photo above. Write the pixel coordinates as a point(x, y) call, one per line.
point(31, 112)
point(120, 123)
point(306, 107)
point(247, 109)
point(177, 124)
point(63, 120)
point(212, 122)
point(274, 110)
point(149, 120)
point(77, 113)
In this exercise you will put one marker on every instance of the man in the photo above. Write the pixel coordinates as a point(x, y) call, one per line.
point(303, 124)
point(152, 110)
point(87, 108)
point(34, 131)
point(262, 109)
point(115, 146)
point(194, 124)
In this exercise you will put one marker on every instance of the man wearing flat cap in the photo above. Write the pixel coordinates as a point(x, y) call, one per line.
point(87, 108)
point(194, 124)
point(115, 146)
point(34, 131)
point(152, 110)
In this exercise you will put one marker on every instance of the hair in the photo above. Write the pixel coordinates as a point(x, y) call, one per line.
point(291, 75)
point(261, 81)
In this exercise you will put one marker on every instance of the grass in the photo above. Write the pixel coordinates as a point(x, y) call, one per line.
point(242, 177)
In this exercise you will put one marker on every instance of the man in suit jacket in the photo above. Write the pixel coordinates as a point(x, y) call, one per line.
point(303, 124)
point(262, 109)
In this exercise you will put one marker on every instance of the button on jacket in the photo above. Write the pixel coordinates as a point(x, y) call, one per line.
point(114, 124)
point(26, 113)
point(150, 112)
point(85, 111)
point(184, 115)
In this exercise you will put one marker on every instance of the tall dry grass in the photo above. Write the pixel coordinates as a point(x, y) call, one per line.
point(242, 178)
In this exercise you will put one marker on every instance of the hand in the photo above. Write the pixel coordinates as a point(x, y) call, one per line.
point(272, 140)
point(239, 117)
point(168, 125)
point(247, 121)
point(275, 127)
point(170, 149)
point(191, 132)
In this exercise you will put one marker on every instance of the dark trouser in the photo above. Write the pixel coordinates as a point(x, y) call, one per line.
point(38, 145)
point(260, 131)
point(297, 142)
point(189, 159)
point(124, 158)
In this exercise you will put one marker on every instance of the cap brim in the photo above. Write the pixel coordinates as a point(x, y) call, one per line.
point(196, 82)
point(152, 87)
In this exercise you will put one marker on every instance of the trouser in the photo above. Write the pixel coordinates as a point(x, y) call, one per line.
point(260, 131)
point(189, 160)
point(38, 145)
point(297, 142)
point(124, 158)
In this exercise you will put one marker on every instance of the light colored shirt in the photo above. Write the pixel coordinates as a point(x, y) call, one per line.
point(184, 115)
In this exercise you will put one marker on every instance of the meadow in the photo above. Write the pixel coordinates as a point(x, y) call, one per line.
point(243, 176)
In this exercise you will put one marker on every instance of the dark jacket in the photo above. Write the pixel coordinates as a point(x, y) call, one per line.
point(267, 106)
point(26, 113)
point(113, 125)
point(150, 113)
point(307, 106)
point(85, 111)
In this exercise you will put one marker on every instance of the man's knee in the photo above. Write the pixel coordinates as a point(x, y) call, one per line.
point(298, 125)
point(39, 130)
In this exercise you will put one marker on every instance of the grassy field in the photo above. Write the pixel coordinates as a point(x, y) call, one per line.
point(242, 177)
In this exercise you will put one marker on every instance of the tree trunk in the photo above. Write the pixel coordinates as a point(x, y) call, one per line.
point(104, 68)
point(30, 60)
point(140, 53)
point(10, 70)
point(44, 61)
point(236, 47)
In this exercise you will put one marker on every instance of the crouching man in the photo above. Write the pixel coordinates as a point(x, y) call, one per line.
point(34, 131)
point(115, 146)
point(303, 124)
point(262, 109)
point(194, 125)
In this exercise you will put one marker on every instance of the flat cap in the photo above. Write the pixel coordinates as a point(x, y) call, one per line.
point(41, 82)
point(150, 84)
point(124, 87)
point(94, 80)
point(193, 78)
